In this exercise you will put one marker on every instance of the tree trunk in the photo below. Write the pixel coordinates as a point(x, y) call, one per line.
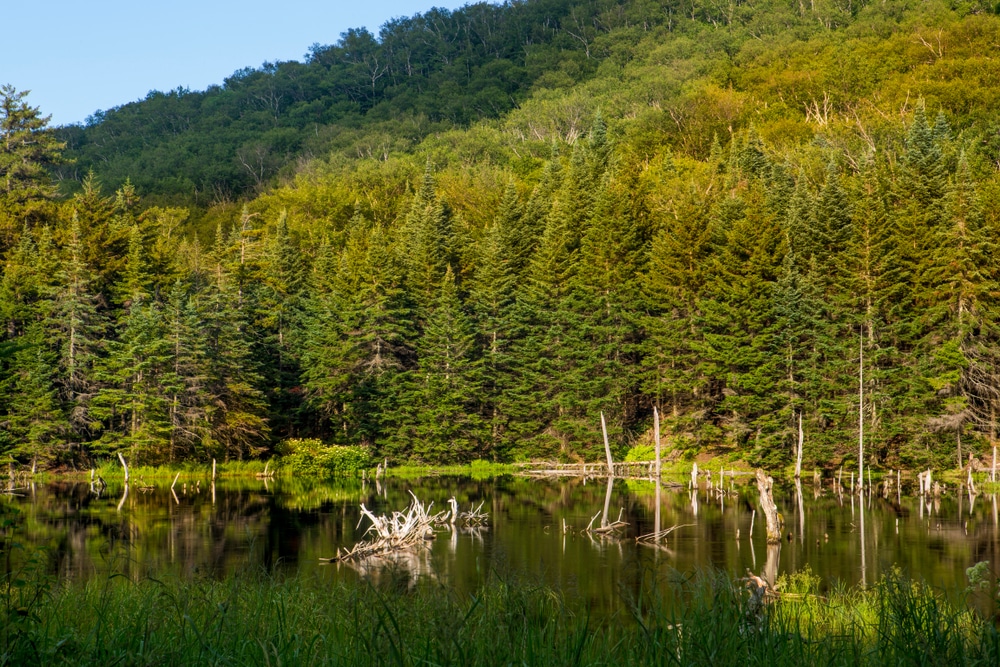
point(861, 412)
point(764, 485)
point(798, 453)
point(607, 447)
point(656, 436)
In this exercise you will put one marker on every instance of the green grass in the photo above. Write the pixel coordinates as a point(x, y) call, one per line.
point(260, 619)
point(476, 470)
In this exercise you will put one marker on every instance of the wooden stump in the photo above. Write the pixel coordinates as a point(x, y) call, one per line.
point(764, 484)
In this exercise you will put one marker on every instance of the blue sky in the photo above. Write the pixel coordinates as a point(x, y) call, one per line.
point(77, 57)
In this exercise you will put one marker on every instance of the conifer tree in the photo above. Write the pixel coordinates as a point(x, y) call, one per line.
point(36, 424)
point(280, 308)
point(185, 377)
point(239, 423)
point(427, 236)
point(491, 296)
point(439, 396)
point(131, 400)
point(676, 282)
point(738, 317)
point(358, 337)
point(75, 330)
point(28, 148)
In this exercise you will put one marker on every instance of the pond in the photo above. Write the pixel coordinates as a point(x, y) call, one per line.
point(535, 531)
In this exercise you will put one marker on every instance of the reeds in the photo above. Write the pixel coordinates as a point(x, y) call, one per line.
point(260, 619)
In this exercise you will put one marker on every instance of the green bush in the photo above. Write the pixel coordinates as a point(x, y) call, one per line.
point(641, 453)
point(310, 457)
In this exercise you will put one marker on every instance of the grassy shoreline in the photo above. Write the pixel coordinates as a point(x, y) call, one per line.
point(111, 469)
point(260, 619)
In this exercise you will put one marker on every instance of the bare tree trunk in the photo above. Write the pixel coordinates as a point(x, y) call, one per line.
point(798, 454)
point(861, 412)
point(125, 466)
point(656, 436)
point(607, 447)
point(764, 485)
point(607, 502)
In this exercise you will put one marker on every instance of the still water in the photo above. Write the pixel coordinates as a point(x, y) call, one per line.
point(285, 525)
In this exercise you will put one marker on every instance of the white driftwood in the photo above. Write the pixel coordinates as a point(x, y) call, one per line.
point(389, 534)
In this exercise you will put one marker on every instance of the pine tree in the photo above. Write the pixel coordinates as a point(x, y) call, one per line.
point(185, 377)
point(439, 396)
point(676, 282)
point(36, 424)
point(737, 316)
point(280, 315)
point(76, 331)
point(132, 401)
point(358, 337)
point(491, 296)
point(427, 236)
point(239, 424)
point(28, 148)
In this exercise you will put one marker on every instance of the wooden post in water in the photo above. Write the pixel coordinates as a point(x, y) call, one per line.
point(124, 465)
point(656, 437)
point(694, 476)
point(764, 485)
point(607, 447)
point(213, 470)
point(174, 483)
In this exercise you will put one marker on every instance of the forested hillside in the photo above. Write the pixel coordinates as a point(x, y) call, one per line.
point(743, 214)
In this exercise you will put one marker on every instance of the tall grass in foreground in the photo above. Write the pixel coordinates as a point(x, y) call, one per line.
point(260, 619)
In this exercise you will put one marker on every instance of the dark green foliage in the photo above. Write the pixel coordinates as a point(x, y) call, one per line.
point(437, 400)
point(742, 216)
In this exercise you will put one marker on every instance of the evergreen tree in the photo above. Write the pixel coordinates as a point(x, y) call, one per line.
point(185, 376)
point(75, 330)
point(36, 424)
point(427, 236)
point(737, 315)
point(280, 308)
point(491, 296)
point(28, 148)
point(358, 337)
point(676, 282)
point(239, 423)
point(439, 396)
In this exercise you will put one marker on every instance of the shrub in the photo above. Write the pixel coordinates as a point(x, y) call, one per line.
point(310, 457)
point(641, 453)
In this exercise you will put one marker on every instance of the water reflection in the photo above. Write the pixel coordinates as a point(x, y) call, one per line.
point(536, 528)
